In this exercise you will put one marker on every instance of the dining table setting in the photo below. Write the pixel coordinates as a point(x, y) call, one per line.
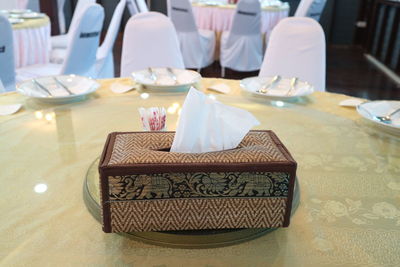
point(345, 207)
point(31, 33)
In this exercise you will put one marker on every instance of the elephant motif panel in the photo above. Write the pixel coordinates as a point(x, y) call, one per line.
point(198, 185)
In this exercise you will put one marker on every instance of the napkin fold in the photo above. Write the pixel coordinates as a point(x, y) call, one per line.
point(9, 109)
point(206, 125)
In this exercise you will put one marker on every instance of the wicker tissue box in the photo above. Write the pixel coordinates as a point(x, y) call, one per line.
point(144, 187)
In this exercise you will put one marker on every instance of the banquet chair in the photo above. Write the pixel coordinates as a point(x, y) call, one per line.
point(150, 40)
point(197, 46)
point(104, 56)
point(296, 49)
point(241, 47)
point(310, 8)
point(7, 65)
point(61, 41)
point(81, 52)
point(61, 16)
point(137, 6)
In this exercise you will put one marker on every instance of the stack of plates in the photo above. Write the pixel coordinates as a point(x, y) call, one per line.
point(163, 80)
point(281, 90)
point(58, 89)
point(371, 111)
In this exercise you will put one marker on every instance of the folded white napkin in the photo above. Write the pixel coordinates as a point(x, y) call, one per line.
point(220, 88)
point(206, 125)
point(351, 102)
point(9, 109)
point(120, 88)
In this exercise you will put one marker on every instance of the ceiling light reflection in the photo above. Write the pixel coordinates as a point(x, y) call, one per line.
point(144, 95)
point(40, 188)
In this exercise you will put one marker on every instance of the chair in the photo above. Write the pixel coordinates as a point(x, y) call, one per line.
point(137, 6)
point(150, 40)
point(61, 16)
point(7, 65)
point(310, 8)
point(81, 52)
point(61, 41)
point(296, 49)
point(104, 57)
point(197, 46)
point(241, 47)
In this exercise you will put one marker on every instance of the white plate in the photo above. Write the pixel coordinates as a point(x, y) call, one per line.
point(32, 15)
point(165, 82)
point(280, 91)
point(381, 108)
point(78, 85)
point(15, 20)
point(19, 11)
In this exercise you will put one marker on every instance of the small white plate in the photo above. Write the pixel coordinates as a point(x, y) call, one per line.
point(32, 15)
point(280, 91)
point(381, 108)
point(19, 11)
point(78, 85)
point(15, 20)
point(165, 81)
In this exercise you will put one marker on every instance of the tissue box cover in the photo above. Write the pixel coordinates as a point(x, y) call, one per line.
point(144, 187)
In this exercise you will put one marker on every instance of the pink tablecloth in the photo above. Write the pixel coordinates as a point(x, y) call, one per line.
point(220, 18)
point(31, 45)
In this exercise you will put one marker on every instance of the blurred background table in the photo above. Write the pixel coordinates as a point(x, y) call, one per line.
point(219, 17)
point(348, 172)
point(32, 42)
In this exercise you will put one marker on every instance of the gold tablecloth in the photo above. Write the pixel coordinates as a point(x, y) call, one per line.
point(349, 175)
point(32, 23)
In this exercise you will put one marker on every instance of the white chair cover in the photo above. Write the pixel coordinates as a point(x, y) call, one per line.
point(296, 49)
point(137, 6)
point(150, 40)
point(241, 48)
point(61, 41)
point(61, 16)
point(105, 60)
point(7, 67)
point(197, 46)
point(82, 48)
point(310, 8)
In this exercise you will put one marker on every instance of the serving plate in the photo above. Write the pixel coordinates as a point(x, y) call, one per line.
point(163, 81)
point(281, 90)
point(79, 87)
point(370, 110)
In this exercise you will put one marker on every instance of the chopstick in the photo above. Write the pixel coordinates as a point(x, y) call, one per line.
point(62, 85)
point(42, 87)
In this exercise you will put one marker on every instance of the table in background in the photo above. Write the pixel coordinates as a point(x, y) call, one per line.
point(32, 42)
point(348, 172)
point(219, 18)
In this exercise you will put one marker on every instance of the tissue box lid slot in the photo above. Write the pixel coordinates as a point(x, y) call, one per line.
point(138, 148)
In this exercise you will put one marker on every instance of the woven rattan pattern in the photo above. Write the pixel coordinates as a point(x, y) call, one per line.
point(141, 148)
point(187, 214)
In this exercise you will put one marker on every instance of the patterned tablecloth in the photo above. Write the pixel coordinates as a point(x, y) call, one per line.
point(349, 175)
point(32, 42)
point(219, 18)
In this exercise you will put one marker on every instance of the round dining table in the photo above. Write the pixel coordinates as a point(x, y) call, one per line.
point(32, 43)
point(219, 17)
point(348, 172)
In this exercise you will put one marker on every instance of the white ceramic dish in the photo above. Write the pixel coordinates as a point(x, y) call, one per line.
point(369, 110)
point(281, 91)
point(15, 20)
point(164, 80)
point(32, 15)
point(19, 11)
point(79, 86)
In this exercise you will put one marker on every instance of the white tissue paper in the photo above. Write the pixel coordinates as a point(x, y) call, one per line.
point(206, 125)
